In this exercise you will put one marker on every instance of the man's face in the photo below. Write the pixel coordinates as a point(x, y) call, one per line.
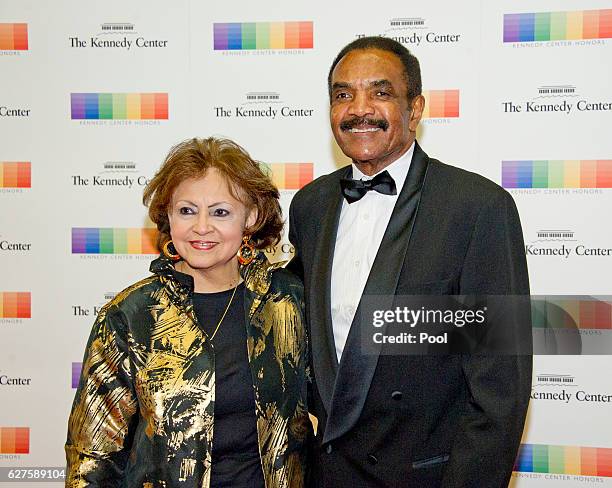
point(369, 111)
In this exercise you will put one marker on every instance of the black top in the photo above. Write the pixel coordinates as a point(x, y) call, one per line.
point(235, 452)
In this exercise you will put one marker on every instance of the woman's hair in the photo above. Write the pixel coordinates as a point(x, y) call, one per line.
point(246, 181)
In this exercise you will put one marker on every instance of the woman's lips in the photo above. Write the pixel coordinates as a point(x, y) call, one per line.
point(203, 245)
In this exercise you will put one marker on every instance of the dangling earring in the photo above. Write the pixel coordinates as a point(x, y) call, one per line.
point(170, 252)
point(246, 252)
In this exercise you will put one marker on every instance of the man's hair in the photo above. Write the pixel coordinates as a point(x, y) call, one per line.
point(246, 181)
point(412, 70)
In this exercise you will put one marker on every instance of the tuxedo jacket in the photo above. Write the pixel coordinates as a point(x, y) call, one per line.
point(422, 421)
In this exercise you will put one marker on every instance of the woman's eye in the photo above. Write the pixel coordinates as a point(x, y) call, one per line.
point(185, 211)
point(220, 212)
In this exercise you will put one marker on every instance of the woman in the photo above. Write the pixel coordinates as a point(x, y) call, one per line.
point(195, 376)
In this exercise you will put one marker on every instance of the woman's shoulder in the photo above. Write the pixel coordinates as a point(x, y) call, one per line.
point(262, 276)
point(136, 295)
point(285, 282)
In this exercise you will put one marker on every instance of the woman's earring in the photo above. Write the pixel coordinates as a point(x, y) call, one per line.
point(169, 251)
point(246, 252)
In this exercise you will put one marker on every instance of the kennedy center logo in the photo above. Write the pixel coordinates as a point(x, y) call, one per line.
point(564, 460)
point(13, 39)
point(563, 389)
point(582, 27)
point(440, 106)
point(15, 305)
point(76, 374)
point(556, 99)
point(290, 176)
point(119, 108)
point(13, 245)
point(90, 311)
point(263, 105)
point(101, 242)
point(15, 176)
point(118, 36)
point(269, 37)
point(415, 31)
point(562, 243)
point(14, 440)
point(586, 316)
point(577, 176)
point(121, 175)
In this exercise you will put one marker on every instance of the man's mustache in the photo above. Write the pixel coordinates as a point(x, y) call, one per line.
point(357, 121)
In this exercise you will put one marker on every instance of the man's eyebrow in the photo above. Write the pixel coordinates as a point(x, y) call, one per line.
point(340, 84)
point(381, 83)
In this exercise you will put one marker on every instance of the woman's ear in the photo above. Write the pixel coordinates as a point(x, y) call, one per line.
point(251, 218)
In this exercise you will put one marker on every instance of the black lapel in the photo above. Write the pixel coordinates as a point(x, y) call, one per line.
point(324, 357)
point(356, 370)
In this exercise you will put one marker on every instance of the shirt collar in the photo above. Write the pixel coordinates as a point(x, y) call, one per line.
point(398, 169)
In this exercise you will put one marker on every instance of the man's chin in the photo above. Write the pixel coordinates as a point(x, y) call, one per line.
point(361, 156)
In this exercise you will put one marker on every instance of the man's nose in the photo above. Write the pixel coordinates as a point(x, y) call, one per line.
point(361, 105)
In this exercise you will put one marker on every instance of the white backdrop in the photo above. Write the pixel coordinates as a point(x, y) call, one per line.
point(139, 47)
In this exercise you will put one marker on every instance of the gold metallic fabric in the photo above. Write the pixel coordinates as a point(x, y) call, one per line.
point(143, 414)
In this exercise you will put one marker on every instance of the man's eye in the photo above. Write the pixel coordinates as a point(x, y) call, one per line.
point(186, 211)
point(342, 95)
point(220, 212)
point(381, 93)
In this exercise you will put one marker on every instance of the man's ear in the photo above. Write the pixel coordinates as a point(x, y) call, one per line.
point(418, 105)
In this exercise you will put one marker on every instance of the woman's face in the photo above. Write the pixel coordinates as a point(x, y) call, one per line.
point(207, 223)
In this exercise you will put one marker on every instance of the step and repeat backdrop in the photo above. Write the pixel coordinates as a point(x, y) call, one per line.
point(93, 95)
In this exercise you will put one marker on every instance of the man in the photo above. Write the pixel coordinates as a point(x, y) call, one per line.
point(420, 227)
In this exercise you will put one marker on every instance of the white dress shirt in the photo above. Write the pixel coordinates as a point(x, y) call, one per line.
point(361, 228)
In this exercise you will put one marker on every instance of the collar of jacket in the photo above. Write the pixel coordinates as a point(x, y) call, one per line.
point(257, 276)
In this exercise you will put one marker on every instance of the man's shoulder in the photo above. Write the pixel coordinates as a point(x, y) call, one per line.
point(319, 187)
point(463, 183)
point(323, 182)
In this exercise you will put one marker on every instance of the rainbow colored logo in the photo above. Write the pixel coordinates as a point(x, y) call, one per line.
point(15, 305)
point(558, 26)
point(567, 313)
point(441, 104)
point(15, 174)
point(237, 36)
point(13, 37)
point(76, 374)
point(290, 176)
point(119, 106)
point(596, 173)
point(574, 460)
point(94, 240)
point(14, 440)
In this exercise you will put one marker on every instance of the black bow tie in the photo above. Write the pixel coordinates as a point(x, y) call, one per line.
point(354, 190)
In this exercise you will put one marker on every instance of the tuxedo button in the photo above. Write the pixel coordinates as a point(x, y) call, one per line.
point(328, 449)
point(372, 459)
point(397, 395)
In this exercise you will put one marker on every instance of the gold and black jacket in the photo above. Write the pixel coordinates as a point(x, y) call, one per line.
point(143, 414)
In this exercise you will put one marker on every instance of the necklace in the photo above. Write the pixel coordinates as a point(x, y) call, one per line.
point(224, 313)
